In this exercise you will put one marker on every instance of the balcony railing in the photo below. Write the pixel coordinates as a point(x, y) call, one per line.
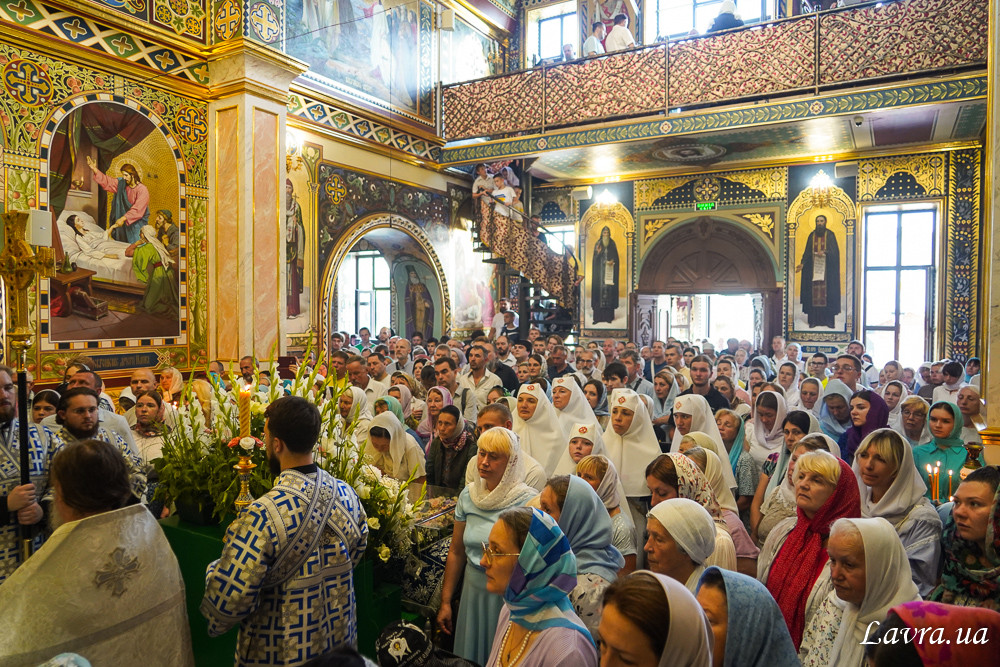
point(800, 54)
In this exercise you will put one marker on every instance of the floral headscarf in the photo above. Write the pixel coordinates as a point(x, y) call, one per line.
point(427, 425)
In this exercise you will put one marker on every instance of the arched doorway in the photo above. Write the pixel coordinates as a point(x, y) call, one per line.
point(407, 251)
point(707, 256)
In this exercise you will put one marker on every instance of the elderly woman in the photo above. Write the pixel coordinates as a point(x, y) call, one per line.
point(973, 420)
point(529, 564)
point(779, 501)
point(651, 620)
point(576, 506)
point(600, 473)
point(796, 425)
point(537, 425)
point(437, 398)
point(892, 489)
point(868, 414)
point(793, 560)
point(413, 408)
point(913, 420)
point(945, 451)
point(870, 575)
point(389, 403)
point(971, 543)
point(500, 486)
point(392, 451)
point(676, 476)
point(835, 415)
point(352, 407)
point(451, 450)
point(171, 384)
point(746, 622)
point(681, 539)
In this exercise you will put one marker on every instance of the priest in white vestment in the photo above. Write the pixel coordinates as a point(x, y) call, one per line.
point(106, 585)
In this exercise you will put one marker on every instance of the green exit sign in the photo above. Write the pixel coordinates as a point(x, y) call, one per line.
point(706, 205)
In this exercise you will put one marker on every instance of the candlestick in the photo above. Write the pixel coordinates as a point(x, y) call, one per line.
point(949, 485)
point(244, 404)
point(243, 470)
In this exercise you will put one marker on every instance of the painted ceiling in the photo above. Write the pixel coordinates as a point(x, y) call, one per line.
point(874, 131)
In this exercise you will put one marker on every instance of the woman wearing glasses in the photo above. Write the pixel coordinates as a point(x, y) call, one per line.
point(529, 563)
point(500, 486)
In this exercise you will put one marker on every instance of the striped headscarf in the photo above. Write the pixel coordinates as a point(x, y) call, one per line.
point(538, 592)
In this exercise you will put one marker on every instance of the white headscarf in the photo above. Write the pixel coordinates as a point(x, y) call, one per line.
point(149, 234)
point(392, 461)
point(766, 441)
point(511, 489)
point(725, 470)
point(689, 635)
point(589, 431)
point(792, 391)
point(632, 452)
point(702, 419)
point(359, 411)
point(818, 405)
point(906, 490)
point(689, 524)
point(896, 414)
point(888, 582)
point(542, 436)
point(577, 411)
point(715, 474)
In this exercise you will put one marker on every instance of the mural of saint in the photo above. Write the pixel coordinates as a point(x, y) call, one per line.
point(167, 232)
point(606, 268)
point(295, 241)
point(153, 266)
point(419, 306)
point(130, 206)
point(819, 279)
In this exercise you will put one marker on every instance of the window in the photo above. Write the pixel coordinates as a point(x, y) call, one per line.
point(363, 286)
point(563, 235)
point(899, 282)
point(676, 18)
point(548, 28)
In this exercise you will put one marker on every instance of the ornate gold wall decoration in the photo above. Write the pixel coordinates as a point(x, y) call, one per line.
point(647, 192)
point(772, 183)
point(650, 227)
point(765, 221)
point(929, 171)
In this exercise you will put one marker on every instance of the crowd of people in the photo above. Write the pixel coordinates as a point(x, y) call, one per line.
point(616, 504)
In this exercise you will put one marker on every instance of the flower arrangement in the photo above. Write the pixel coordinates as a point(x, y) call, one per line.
point(196, 467)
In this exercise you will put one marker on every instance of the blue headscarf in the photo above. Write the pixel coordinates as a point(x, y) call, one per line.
point(757, 635)
point(737, 448)
point(827, 423)
point(587, 525)
point(538, 592)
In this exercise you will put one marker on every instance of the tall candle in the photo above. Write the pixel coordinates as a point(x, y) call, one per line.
point(949, 485)
point(244, 404)
point(937, 484)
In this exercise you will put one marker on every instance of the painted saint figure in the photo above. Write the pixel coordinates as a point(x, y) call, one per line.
point(819, 282)
point(419, 306)
point(606, 267)
point(130, 206)
point(295, 240)
point(167, 231)
point(151, 262)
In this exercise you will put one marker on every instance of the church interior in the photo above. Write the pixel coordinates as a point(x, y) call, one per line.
point(226, 178)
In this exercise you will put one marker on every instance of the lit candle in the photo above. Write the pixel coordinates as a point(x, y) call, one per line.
point(937, 484)
point(244, 404)
point(949, 485)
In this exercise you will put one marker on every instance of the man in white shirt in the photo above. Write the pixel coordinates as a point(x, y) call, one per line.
point(620, 38)
point(462, 395)
point(479, 376)
point(357, 374)
point(778, 351)
point(502, 305)
point(593, 45)
point(504, 355)
point(403, 361)
point(503, 194)
point(483, 182)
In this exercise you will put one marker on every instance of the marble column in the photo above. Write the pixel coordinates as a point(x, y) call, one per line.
point(246, 304)
point(990, 231)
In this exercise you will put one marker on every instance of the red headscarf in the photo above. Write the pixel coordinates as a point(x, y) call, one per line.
point(802, 557)
point(951, 619)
